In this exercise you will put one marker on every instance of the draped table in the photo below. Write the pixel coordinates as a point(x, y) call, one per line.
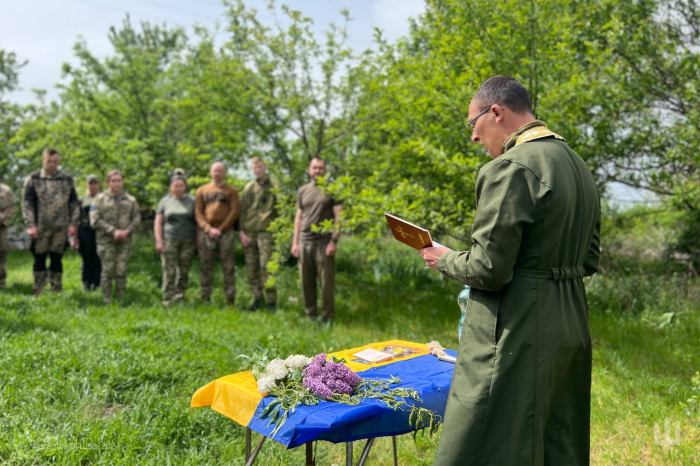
point(236, 397)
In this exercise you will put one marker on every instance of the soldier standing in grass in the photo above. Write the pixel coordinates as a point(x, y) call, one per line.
point(315, 250)
point(258, 210)
point(51, 211)
point(115, 215)
point(216, 210)
point(174, 230)
point(91, 269)
point(521, 391)
point(7, 211)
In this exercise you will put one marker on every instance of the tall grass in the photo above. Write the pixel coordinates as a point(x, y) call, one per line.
point(85, 383)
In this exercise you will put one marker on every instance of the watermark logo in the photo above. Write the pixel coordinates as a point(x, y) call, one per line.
point(667, 441)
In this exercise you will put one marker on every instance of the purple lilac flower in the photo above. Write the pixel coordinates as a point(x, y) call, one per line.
point(317, 387)
point(325, 378)
point(338, 386)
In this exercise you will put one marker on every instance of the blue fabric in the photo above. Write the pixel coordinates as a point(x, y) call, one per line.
point(337, 422)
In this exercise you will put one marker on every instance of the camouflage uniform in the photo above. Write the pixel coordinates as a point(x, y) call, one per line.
point(176, 260)
point(258, 210)
point(226, 249)
point(108, 214)
point(7, 210)
point(178, 229)
point(217, 207)
point(50, 204)
point(91, 268)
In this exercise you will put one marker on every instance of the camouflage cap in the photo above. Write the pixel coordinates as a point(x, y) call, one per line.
point(90, 178)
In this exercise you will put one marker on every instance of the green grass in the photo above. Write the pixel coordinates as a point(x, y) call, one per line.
point(85, 383)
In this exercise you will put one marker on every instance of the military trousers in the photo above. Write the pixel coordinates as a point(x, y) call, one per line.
point(51, 243)
point(91, 267)
point(4, 248)
point(257, 256)
point(314, 264)
point(208, 250)
point(176, 260)
point(114, 256)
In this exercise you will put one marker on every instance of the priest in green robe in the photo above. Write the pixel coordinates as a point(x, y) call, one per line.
point(521, 390)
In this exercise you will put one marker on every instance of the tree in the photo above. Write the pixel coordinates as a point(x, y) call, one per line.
point(9, 118)
point(116, 113)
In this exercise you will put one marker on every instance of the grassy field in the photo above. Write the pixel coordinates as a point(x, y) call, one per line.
point(85, 383)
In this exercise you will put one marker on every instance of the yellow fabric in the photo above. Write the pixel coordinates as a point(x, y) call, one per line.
point(359, 367)
point(236, 396)
point(536, 133)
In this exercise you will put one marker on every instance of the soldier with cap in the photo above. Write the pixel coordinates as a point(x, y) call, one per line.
point(115, 215)
point(7, 211)
point(92, 269)
point(258, 210)
point(51, 211)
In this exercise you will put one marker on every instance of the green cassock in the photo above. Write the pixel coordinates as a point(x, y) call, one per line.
point(521, 389)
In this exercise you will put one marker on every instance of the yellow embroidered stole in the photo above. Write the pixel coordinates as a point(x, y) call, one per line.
point(537, 132)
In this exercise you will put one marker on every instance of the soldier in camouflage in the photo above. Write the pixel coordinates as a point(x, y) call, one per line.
point(175, 228)
point(91, 269)
point(115, 215)
point(7, 211)
point(258, 210)
point(51, 211)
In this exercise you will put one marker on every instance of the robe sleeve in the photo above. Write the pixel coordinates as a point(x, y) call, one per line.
point(590, 266)
point(507, 198)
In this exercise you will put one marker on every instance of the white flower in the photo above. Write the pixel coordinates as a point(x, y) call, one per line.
point(298, 361)
point(276, 369)
point(265, 384)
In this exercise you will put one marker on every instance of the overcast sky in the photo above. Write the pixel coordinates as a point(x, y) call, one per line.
point(43, 32)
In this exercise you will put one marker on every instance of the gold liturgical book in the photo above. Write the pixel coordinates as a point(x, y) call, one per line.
point(410, 234)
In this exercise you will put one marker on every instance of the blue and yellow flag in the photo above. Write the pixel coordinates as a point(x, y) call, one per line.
point(236, 396)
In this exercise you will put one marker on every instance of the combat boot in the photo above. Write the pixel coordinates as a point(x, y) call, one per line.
point(39, 282)
point(56, 280)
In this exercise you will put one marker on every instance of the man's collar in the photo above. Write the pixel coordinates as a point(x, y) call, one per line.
point(509, 143)
point(45, 174)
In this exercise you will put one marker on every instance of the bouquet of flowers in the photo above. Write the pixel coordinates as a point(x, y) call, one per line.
point(299, 380)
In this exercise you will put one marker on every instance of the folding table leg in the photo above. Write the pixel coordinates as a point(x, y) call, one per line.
point(348, 453)
point(259, 445)
point(310, 454)
point(247, 443)
point(396, 455)
point(365, 451)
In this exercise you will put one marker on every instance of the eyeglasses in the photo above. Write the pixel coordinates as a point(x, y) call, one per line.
point(471, 123)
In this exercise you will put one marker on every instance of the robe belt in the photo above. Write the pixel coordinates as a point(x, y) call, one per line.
point(556, 274)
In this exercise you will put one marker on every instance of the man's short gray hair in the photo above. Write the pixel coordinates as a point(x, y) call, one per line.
point(506, 91)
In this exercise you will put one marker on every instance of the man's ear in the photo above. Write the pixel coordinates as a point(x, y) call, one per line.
point(497, 111)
